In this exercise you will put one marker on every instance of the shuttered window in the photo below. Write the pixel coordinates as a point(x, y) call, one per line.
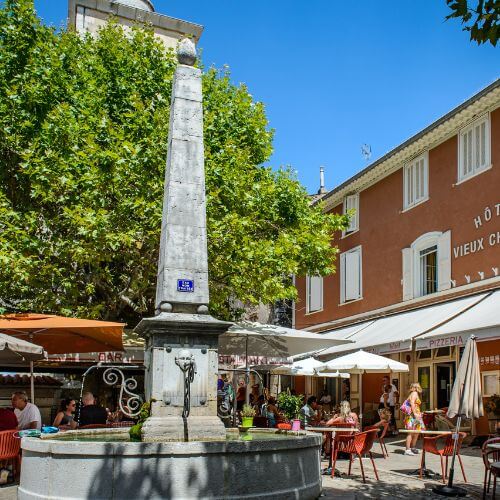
point(427, 265)
point(416, 181)
point(350, 275)
point(314, 291)
point(351, 205)
point(474, 148)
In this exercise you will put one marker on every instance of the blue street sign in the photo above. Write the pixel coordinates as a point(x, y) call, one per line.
point(185, 285)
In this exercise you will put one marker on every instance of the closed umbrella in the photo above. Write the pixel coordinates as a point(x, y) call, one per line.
point(466, 400)
point(363, 362)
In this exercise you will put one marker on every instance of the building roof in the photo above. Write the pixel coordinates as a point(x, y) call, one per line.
point(429, 137)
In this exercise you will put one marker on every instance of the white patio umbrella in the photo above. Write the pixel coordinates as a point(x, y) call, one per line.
point(257, 339)
point(360, 362)
point(15, 351)
point(307, 367)
point(466, 400)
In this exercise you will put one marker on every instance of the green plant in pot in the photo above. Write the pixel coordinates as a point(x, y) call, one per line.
point(247, 414)
point(290, 405)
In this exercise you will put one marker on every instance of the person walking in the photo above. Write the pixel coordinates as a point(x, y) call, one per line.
point(389, 399)
point(413, 418)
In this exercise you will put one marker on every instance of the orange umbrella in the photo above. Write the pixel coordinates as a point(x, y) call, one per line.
point(61, 335)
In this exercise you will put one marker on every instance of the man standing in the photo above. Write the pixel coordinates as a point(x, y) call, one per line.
point(388, 399)
point(91, 414)
point(27, 414)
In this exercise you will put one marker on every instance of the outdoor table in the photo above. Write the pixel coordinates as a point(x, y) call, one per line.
point(332, 430)
point(425, 472)
point(494, 446)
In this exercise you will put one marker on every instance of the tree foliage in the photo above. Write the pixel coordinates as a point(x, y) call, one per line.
point(83, 140)
point(480, 17)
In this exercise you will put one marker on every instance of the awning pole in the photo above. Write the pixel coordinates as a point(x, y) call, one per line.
point(32, 383)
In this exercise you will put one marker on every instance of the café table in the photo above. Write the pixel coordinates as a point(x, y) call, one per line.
point(493, 446)
point(425, 472)
point(330, 430)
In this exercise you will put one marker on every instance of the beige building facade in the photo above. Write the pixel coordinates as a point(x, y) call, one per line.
point(87, 16)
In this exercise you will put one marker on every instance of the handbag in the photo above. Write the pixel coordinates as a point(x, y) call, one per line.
point(406, 407)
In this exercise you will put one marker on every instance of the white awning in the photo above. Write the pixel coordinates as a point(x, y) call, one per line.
point(395, 333)
point(482, 320)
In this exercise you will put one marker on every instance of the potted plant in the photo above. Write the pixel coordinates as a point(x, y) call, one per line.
point(247, 414)
point(290, 405)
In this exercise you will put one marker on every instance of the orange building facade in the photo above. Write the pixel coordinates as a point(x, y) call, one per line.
point(418, 270)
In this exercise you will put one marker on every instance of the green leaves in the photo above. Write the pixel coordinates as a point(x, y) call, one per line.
point(485, 17)
point(83, 144)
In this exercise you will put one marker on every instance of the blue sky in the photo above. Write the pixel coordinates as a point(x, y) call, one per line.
point(335, 75)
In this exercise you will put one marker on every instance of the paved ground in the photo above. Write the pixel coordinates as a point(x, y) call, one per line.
point(394, 479)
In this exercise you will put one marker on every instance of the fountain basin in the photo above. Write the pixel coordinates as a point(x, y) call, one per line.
point(102, 466)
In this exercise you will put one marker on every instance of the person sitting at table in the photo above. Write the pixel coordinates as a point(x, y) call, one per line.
point(413, 421)
point(91, 414)
point(28, 414)
point(308, 413)
point(270, 411)
point(385, 416)
point(8, 419)
point(345, 416)
point(65, 416)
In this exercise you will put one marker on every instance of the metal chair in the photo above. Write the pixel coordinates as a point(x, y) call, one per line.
point(358, 444)
point(380, 436)
point(430, 446)
point(10, 448)
point(489, 457)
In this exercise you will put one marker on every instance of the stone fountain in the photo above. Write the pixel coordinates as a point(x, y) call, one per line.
point(185, 451)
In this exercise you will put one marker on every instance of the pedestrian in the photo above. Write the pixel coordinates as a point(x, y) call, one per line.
point(413, 418)
point(28, 414)
point(241, 394)
point(389, 399)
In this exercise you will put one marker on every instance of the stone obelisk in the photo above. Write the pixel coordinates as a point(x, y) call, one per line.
point(183, 334)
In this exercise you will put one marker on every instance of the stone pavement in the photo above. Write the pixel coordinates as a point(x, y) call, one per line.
point(394, 479)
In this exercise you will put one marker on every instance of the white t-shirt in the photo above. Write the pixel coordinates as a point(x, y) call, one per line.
point(325, 399)
point(391, 401)
point(31, 413)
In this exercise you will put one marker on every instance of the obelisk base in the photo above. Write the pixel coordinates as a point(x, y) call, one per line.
point(193, 428)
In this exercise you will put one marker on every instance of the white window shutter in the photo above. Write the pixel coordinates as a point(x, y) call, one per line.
point(342, 278)
point(407, 274)
point(316, 293)
point(352, 276)
point(444, 261)
point(351, 203)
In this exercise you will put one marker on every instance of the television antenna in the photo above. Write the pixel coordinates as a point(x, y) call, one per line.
point(366, 151)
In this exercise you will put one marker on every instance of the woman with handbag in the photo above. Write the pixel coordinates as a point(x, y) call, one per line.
point(413, 418)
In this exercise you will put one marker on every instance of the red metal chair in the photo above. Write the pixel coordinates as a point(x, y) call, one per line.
point(430, 446)
point(358, 444)
point(380, 436)
point(337, 435)
point(10, 448)
point(489, 457)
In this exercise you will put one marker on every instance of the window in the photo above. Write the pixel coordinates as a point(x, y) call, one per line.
point(350, 275)
point(474, 148)
point(314, 292)
point(416, 181)
point(352, 203)
point(428, 270)
point(427, 265)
